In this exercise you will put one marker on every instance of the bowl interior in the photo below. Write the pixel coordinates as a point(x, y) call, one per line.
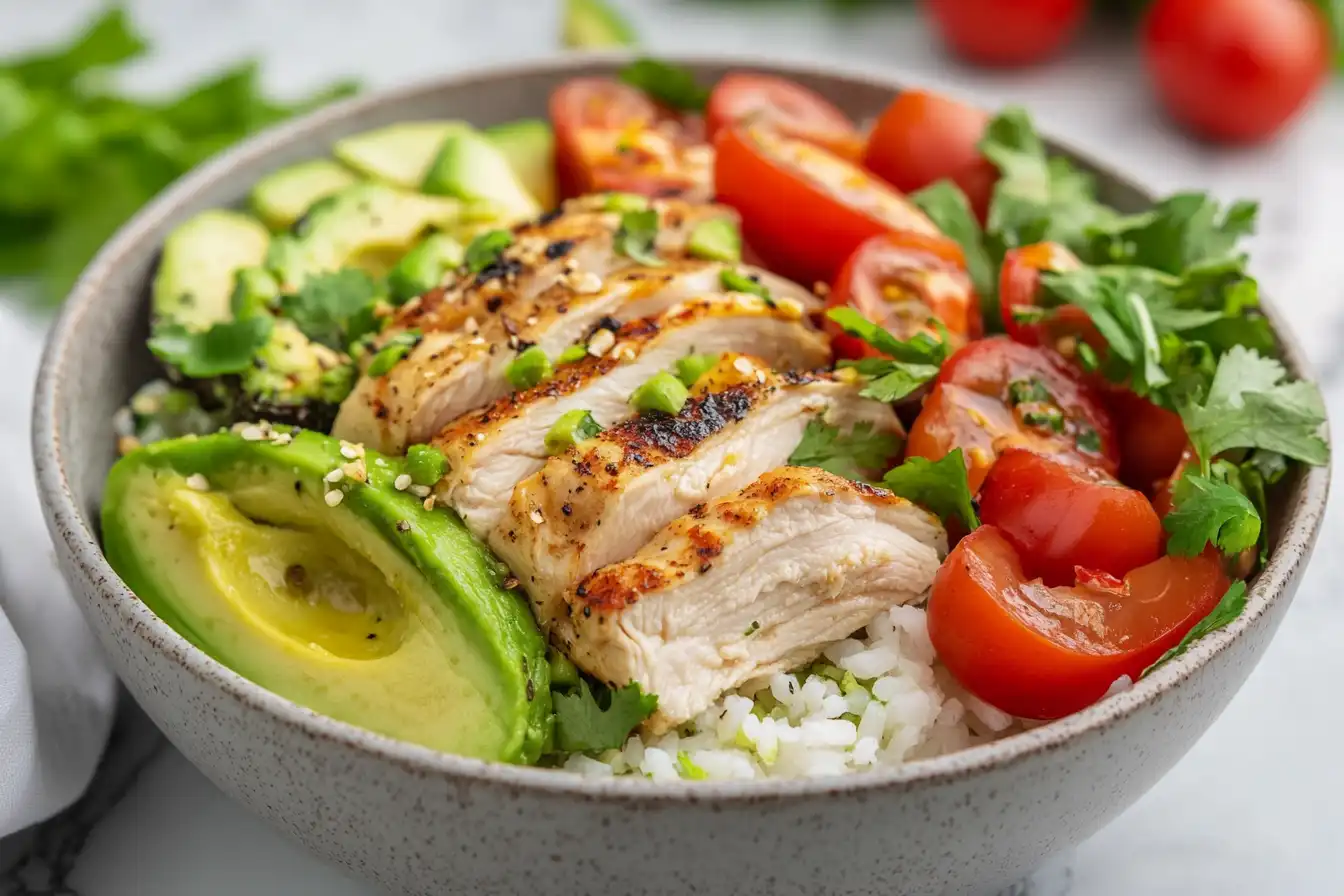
point(96, 357)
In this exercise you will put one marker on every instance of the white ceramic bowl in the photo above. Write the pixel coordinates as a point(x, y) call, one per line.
point(422, 822)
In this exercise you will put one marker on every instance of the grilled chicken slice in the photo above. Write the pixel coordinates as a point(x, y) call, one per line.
point(490, 451)
point(452, 372)
point(750, 584)
point(601, 500)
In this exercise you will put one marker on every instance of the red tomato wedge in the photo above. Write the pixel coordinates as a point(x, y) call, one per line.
point(923, 137)
point(610, 136)
point(901, 280)
point(1061, 327)
point(1151, 439)
point(995, 394)
point(805, 209)
point(782, 105)
point(1061, 514)
point(1041, 652)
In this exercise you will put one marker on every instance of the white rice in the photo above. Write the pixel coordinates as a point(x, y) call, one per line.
point(876, 699)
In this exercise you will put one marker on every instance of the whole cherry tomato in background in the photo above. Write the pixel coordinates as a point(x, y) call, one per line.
point(791, 109)
point(899, 281)
point(1041, 652)
point(1006, 32)
point(1235, 70)
point(923, 137)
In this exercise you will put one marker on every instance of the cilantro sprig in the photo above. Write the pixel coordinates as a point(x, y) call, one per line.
point(939, 486)
point(670, 85)
point(911, 363)
point(858, 454)
point(1210, 511)
point(588, 722)
point(1231, 605)
point(224, 348)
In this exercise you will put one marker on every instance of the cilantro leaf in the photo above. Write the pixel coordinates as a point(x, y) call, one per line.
point(1229, 608)
point(636, 236)
point(584, 722)
point(1249, 405)
point(670, 85)
point(326, 305)
point(946, 205)
point(854, 455)
point(485, 249)
point(1255, 475)
point(889, 381)
point(918, 349)
point(1210, 511)
point(1181, 232)
point(939, 486)
point(227, 347)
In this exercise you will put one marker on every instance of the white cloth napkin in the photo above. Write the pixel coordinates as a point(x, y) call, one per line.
point(57, 693)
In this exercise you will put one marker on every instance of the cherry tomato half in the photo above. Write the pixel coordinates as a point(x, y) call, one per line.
point(780, 104)
point(995, 394)
point(1041, 652)
point(1006, 32)
point(923, 137)
point(1235, 70)
point(610, 136)
point(804, 209)
point(1061, 514)
point(1061, 327)
point(899, 281)
point(1151, 439)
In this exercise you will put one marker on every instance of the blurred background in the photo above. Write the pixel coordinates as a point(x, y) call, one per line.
point(1243, 98)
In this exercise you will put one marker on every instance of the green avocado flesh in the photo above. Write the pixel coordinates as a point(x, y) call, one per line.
point(374, 611)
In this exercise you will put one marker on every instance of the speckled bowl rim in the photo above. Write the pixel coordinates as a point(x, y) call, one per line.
point(140, 624)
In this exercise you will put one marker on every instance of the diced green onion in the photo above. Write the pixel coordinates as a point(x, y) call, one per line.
point(529, 368)
point(398, 347)
point(740, 282)
point(571, 354)
point(661, 392)
point(692, 367)
point(572, 427)
point(486, 248)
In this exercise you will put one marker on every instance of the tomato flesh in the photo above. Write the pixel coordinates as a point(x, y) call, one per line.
point(1151, 439)
point(1043, 653)
point(923, 137)
point(805, 209)
point(1061, 515)
point(900, 281)
point(986, 399)
point(780, 104)
point(1061, 328)
point(1003, 33)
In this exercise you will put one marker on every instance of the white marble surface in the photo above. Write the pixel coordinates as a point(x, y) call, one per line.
point(1255, 808)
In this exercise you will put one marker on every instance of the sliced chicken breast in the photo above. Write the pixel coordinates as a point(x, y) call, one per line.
point(490, 451)
point(449, 373)
point(601, 500)
point(750, 584)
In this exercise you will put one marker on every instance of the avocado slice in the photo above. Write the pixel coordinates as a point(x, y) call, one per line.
point(593, 23)
point(195, 277)
point(281, 197)
point(373, 611)
point(529, 146)
point(469, 166)
point(368, 225)
point(398, 154)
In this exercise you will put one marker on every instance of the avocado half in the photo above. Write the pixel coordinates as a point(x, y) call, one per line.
point(372, 610)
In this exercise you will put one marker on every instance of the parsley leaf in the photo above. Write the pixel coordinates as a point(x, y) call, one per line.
point(918, 349)
point(946, 205)
point(1248, 405)
point(486, 249)
point(226, 347)
point(671, 85)
point(636, 237)
point(939, 486)
point(584, 722)
point(1210, 511)
point(854, 455)
point(1256, 474)
point(1182, 232)
point(1229, 608)
point(326, 305)
point(889, 381)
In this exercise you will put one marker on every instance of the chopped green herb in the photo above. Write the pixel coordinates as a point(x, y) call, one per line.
point(255, 291)
point(637, 236)
point(1029, 314)
point(1180, 233)
point(947, 206)
point(1087, 358)
point(888, 381)
point(227, 347)
point(326, 304)
point(692, 367)
point(1210, 511)
point(572, 428)
point(670, 85)
point(486, 249)
point(424, 267)
point(717, 239)
point(1050, 419)
point(1229, 608)
point(585, 722)
point(939, 486)
point(740, 282)
point(396, 348)
point(1089, 440)
point(752, 629)
point(571, 354)
point(918, 349)
point(529, 368)
point(661, 392)
point(858, 454)
point(1028, 391)
point(426, 464)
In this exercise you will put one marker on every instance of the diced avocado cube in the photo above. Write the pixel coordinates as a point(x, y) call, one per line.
point(716, 240)
point(529, 368)
point(572, 427)
point(661, 392)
